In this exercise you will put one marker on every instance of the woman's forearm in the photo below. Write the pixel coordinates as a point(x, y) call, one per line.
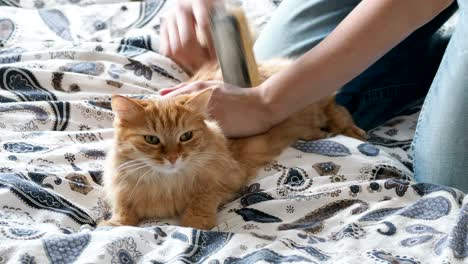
point(369, 31)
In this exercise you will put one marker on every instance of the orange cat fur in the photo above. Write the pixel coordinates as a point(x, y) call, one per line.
point(169, 159)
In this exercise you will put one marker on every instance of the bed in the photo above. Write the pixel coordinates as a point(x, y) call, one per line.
point(337, 200)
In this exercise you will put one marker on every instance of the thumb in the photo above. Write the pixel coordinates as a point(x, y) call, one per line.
point(165, 91)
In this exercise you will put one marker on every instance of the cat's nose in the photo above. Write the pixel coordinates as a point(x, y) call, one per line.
point(172, 159)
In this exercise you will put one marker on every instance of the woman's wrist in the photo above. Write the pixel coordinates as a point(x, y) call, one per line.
point(272, 113)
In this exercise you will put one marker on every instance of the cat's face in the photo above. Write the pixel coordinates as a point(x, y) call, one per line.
point(167, 134)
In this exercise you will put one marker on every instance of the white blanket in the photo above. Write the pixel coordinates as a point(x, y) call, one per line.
point(337, 200)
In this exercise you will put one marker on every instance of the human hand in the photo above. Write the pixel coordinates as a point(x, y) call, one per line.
point(241, 112)
point(186, 35)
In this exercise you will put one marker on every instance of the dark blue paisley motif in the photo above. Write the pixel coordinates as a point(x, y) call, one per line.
point(202, 245)
point(62, 115)
point(311, 239)
point(421, 229)
point(27, 259)
point(40, 114)
point(414, 241)
point(134, 46)
point(4, 99)
point(391, 229)
point(311, 251)
point(96, 176)
point(294, 178)
point(250, 214)
point(440, 245)
point(379, 214)
point(180, 236)
point(124, 251)
point(458, 240)
point(323, 147)
point(268, 256)
point(400, 186)
point(254, 198)
point(8, 29)
point(65, 248)
point(93, 153)
point(388, 142)
point(351, 230)
point(57, 22)
point(40, 198)
point(21, 233)
point(24, 85)
point(426, 209)
point(11, 55)
point(386, 257)
point(84, 67)
point(368, 149)
point(40, 177)
point(124, 257)
point(148, 10)
point(427, 188)
point(314, 221)
point(23, 147)
point(5, 59)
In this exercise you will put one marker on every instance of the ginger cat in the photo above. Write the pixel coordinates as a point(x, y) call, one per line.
point(169, 159)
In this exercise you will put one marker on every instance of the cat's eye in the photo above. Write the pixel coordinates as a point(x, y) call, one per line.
point(186, 136)
point(153, 140)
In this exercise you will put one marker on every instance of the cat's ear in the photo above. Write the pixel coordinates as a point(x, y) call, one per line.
point(127, 109)
point(199, 101)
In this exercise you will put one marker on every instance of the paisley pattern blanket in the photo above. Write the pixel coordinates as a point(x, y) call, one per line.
point(336, 200)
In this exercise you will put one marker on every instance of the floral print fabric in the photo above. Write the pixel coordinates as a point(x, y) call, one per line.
point(336, 200)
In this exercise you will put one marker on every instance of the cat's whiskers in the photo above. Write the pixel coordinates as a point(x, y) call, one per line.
point(125, 171)
point(127, 163)
point(132, 167)
point(139, 179)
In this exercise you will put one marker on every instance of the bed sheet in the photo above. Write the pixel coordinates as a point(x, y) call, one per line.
point(336, 200)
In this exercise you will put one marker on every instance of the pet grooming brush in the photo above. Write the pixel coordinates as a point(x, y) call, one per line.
point(233, 44)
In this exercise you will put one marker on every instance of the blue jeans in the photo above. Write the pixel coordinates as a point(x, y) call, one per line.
point(396, 82)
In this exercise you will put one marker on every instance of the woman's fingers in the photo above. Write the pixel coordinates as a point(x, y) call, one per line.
point(186, 25)
point(201, 12)
point(191, 55)
point(173, 33)
point(164, 40)
point(180, 31)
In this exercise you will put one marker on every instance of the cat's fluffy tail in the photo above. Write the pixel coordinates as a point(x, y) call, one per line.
point(254, 152)
point(316, 121)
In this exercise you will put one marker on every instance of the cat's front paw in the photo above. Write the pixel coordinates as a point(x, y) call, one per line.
point(198, 222)
point(110, 222)
point(356, 132)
